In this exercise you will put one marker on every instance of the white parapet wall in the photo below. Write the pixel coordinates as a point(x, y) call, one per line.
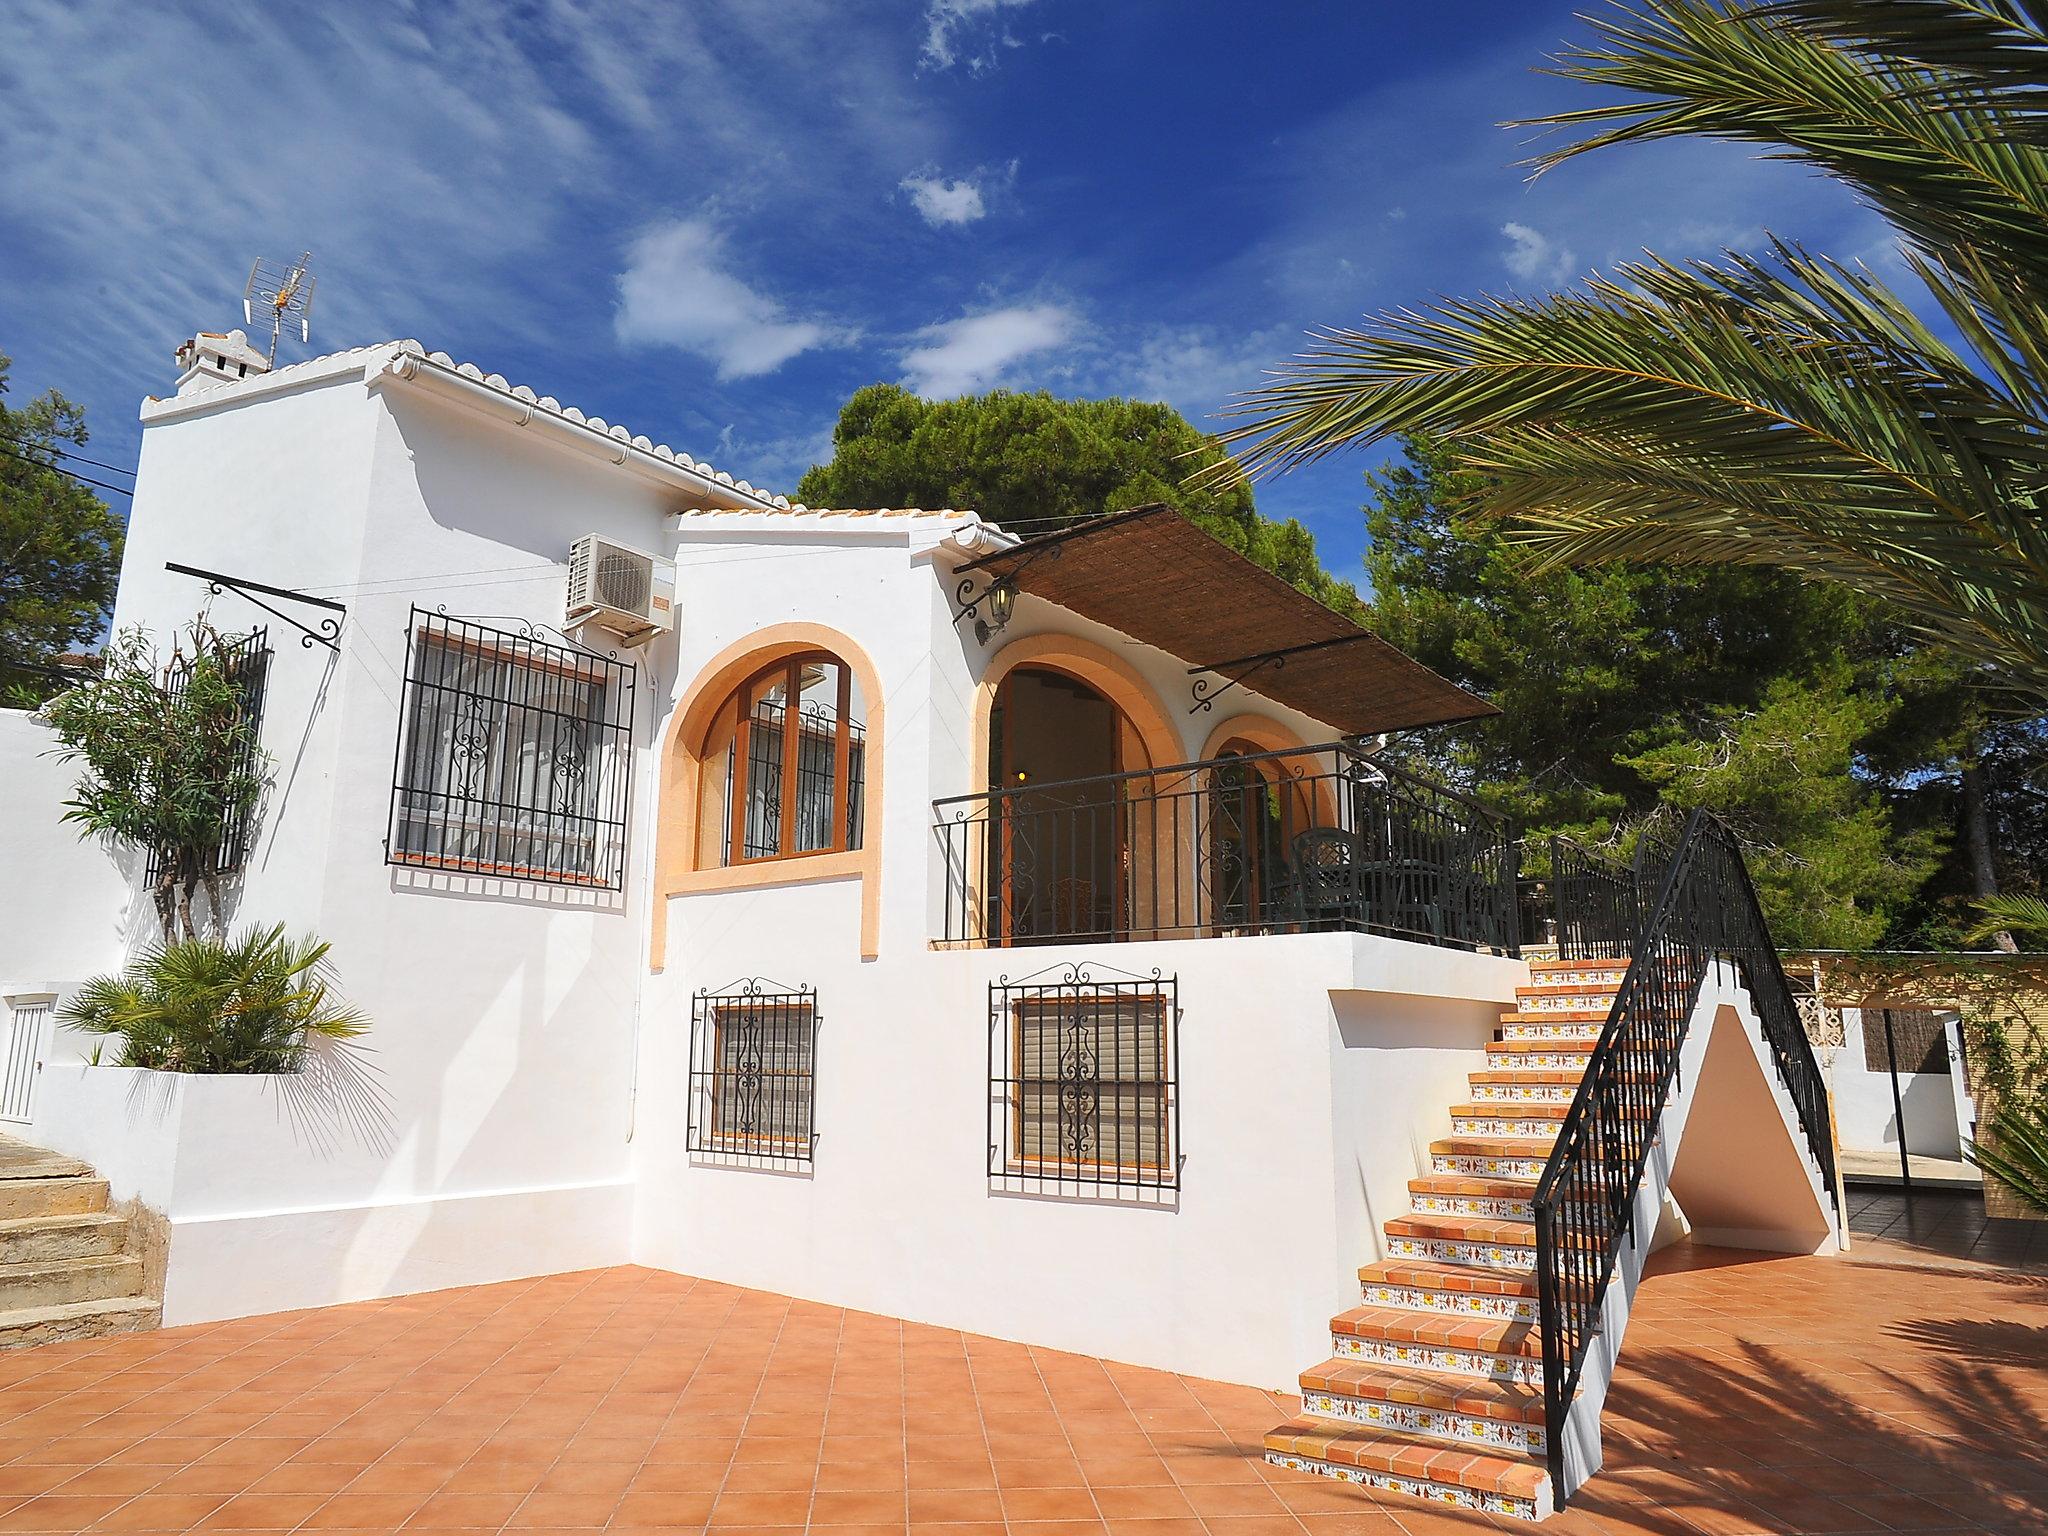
point(211, 1153)
point(63, 897)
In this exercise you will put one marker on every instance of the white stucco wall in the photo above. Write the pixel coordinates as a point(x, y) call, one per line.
point(1314, 1069)
point(520, 1102)
point(500, 1060)
point(1865, 1115)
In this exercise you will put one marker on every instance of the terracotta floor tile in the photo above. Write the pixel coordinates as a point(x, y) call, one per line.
point(1831, 1396)
point(859, 1508)
point(1049, 1504)
point(364, 1511)
point(645, 1507)
point(564, 1511)
point(761, 1509)
point(263, 1512)
point(463, 1511)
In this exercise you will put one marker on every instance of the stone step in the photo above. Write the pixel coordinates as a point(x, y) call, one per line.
point(1391, 1462)
point(1491, 1415)
point(78, 1320)
point(19, 1160)
point(42, 1239)
point(1461, 1290)
point(1560, 995)
point(54, 1282)
point(1496, 1349)
point(62, 1195)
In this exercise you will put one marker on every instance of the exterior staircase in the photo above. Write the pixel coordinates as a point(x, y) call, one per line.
point(70, 1268)
point(1435, 1384)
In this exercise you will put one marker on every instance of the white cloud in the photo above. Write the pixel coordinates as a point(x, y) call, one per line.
point(777, 460)
point(944, 202)
point(1532, 257)
point(977, 352)
point(966, 29)
point(676, 291)
point(1197, 369)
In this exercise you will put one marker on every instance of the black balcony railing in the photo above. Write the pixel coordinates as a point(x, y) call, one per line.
point(1597, 902)
point(1316, 838)
point(1704, 910)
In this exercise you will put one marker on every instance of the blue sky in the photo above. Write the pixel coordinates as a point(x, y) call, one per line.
point(713, 221)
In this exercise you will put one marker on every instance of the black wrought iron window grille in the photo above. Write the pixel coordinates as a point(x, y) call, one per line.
point(513, 758)
point(1083, 1082)
point(246, 665)
point(753, 1075)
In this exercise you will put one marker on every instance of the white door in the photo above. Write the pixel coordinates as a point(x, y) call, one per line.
point(24, 1025)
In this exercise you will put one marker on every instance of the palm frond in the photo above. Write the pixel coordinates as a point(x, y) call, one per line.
point(1794, 414)
point(1927, 146)
point(2025, 918)
point(1999, 47)
point(2017, 1153)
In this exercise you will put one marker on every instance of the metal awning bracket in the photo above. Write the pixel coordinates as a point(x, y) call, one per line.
point(327, 632)
point(1240, 669)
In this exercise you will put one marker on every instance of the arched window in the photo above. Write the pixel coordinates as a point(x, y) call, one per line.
point(784, 765)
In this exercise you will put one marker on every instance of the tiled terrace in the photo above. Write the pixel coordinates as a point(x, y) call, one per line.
point(1788, 1395)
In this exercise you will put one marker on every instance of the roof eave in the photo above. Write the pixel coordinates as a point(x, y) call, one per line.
point(592, 436)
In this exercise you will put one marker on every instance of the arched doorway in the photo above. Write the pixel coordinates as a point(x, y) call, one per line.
point(1059, 753)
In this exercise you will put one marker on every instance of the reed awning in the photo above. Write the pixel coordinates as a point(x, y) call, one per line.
point(1156, 577)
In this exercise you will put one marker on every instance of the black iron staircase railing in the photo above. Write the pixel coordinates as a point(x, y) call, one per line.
point(1705, 910)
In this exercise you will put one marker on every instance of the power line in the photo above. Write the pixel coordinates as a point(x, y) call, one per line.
point(65, 453)
point(118, 490)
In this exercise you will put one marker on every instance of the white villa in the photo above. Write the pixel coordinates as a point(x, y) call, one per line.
point(1025, 936)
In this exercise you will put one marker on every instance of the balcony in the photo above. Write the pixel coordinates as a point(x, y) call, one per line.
point(1315, 839)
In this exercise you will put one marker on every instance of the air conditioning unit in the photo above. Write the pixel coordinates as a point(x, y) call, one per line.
point(625, 590)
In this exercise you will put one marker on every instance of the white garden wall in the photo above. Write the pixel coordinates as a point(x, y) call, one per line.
point(63, 900)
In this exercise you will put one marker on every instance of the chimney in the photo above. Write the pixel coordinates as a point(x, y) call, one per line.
point(211, 359)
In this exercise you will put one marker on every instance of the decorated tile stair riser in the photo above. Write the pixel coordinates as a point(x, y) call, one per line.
point(1526, 1369)
point(1441, 1424)
point(1506, 1125)
point(1393, 1482)
point(1495, 1206)
point(1503, 1167)
point(1512, 1309)
point(1444, 1250)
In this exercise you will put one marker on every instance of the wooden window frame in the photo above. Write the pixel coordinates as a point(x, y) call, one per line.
point(789, 765)
point(1154, 1009)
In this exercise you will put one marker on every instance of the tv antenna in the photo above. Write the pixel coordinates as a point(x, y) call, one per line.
point(284, 293)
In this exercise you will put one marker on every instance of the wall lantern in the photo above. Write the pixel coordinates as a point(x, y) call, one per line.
point(1002, 602)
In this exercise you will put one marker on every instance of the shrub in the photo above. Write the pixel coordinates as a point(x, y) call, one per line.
point(167, 765)
point(251, 1003)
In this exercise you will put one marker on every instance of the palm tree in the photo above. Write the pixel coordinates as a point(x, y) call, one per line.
point(1782, 409)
